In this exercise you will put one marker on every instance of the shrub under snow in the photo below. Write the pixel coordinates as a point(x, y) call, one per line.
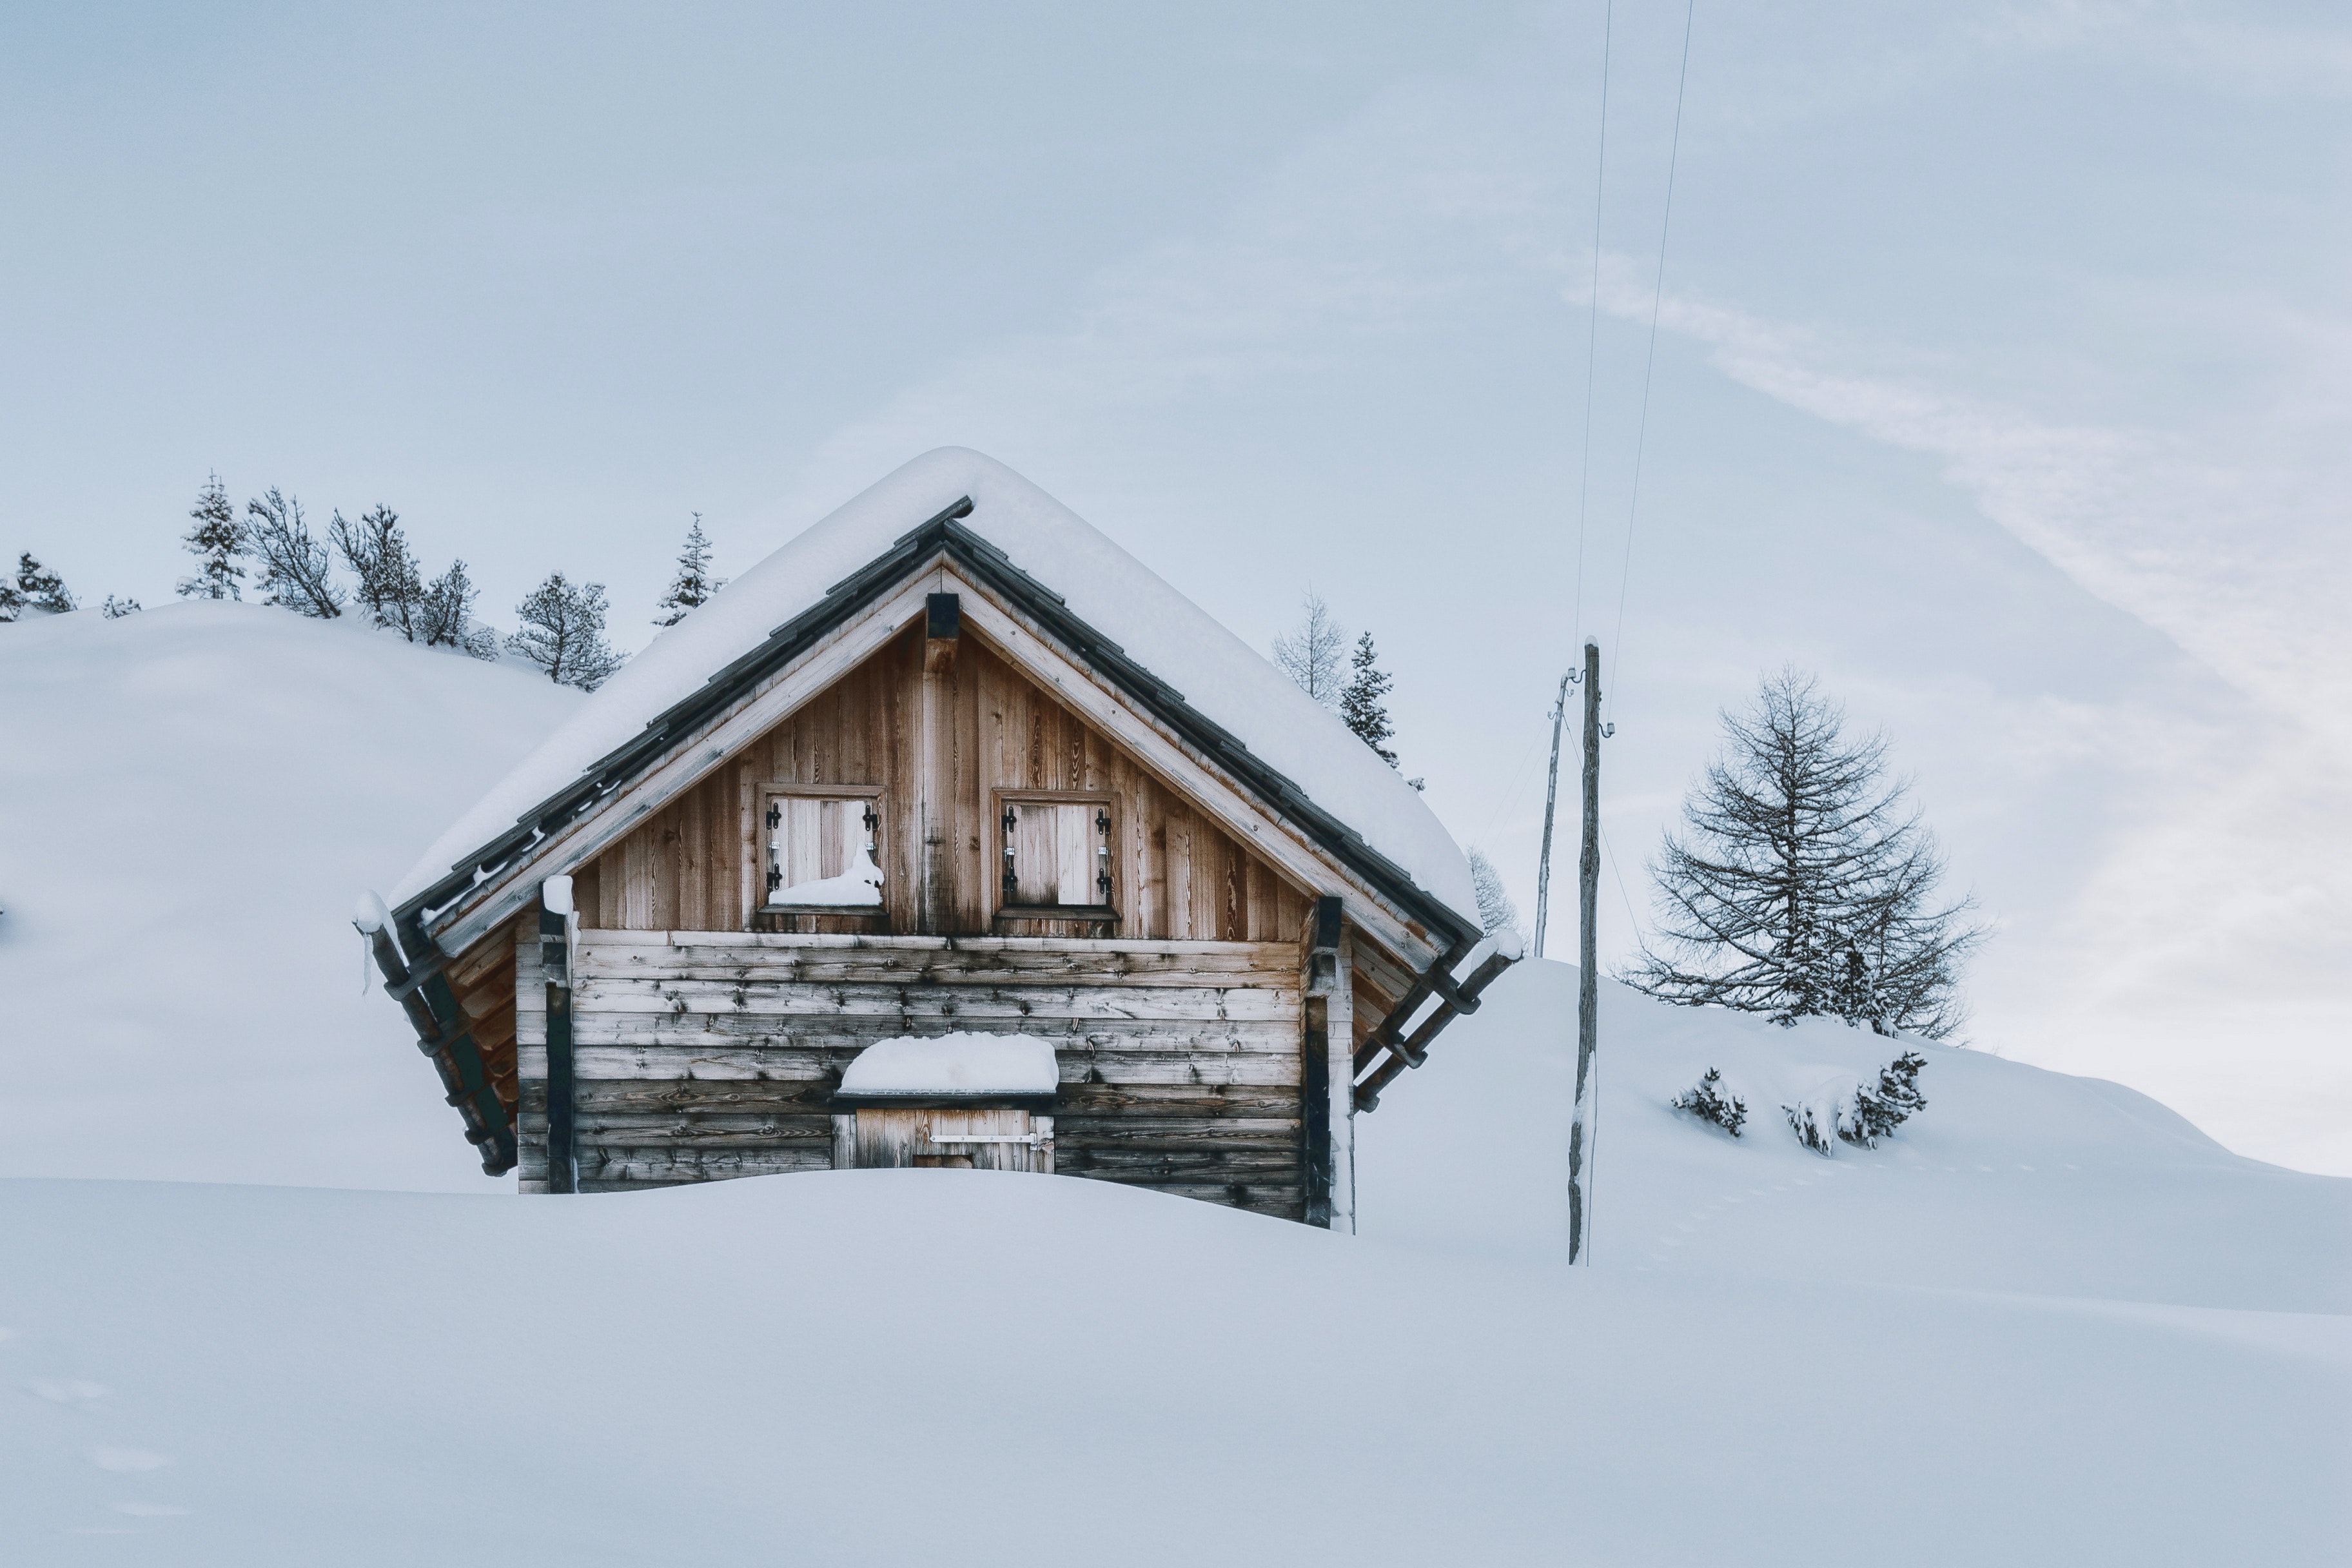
point(1707, 1100)
point(1859, 1113)
point(1879, 1111)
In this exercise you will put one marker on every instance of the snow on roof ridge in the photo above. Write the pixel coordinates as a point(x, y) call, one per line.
point(1177, 642)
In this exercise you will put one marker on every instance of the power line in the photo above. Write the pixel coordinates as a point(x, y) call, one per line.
point(1649, 364)
point(1592, 313)
point(1511, 792)
point(1631, 918)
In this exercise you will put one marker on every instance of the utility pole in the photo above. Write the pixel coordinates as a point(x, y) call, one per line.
point(1587, 993)
point(1551, 797)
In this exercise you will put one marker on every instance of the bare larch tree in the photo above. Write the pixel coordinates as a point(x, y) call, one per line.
point(1803, 884)
point(391, 584)
point(1309, 652)
point(1497, 913)
point(295, 566)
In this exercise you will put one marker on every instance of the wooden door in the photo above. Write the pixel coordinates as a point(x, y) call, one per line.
point(985, 1139)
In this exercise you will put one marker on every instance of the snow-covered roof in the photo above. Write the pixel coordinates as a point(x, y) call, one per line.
point(953, 1066)
point(1220, 676)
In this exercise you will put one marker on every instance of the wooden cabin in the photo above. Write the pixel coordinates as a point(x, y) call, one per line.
point(951, 766)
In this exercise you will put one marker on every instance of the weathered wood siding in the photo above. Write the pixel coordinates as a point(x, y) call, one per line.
point(940, 755)
point(702, 1056)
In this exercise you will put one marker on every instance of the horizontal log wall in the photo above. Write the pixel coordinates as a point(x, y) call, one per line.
point(703, 1056)
point(1176, 874)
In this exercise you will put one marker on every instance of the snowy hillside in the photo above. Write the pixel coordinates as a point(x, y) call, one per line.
point(2048, 1321)
point(2013, 1179)
point(192, 798)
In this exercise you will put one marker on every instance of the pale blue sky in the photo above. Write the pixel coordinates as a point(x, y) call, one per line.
point(2003, 380)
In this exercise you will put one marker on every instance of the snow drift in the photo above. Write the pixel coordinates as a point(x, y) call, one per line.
point(189, 798)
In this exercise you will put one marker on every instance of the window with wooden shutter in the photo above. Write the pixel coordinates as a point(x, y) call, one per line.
point(821, 849)
point(1056, 854)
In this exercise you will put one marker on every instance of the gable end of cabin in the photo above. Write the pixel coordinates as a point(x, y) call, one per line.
point(943, 810)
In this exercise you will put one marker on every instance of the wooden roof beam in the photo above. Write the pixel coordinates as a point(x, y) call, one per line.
point(1452, 1001)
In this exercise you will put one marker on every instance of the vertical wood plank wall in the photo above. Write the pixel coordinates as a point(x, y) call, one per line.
point(1177, 876)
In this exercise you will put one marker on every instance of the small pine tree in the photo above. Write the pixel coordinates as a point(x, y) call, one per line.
point(445, 615)
point(1707, 1100)
point(1859, 1113)
point(114, 609)
point(1879, 1111)
point(42, 588)
point(12, 603)
point(1309, 652)
point(391, 584)
point(1360, 701)
point(216, 540)
point(564, 633)
point(694, 585)
point(296, 570)
point(1497, 913)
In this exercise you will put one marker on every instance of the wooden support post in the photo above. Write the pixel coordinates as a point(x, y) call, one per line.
point(556, 925)
point(1588, 989)
point(1340, 1020)
point(1327, 1071)
point(935, 778)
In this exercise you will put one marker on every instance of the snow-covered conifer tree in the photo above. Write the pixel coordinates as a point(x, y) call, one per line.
point(216, 540)
point(1359, 700)
point(1803, 884)
point(1896, 1099)
point(296, 570)
point(12, 603)
point(1309, 652)
point(1707, 1101)
point(564, 633)
point(1497, 913)
point(114, 609)
point(42, 589)
point(445, 615)
point(391, 584)
point(694, 585)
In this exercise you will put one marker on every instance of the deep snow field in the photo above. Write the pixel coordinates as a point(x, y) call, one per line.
point(2047, 1322)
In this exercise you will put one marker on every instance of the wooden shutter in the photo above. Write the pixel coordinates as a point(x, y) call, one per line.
point(1056, 853)
point(811, 837)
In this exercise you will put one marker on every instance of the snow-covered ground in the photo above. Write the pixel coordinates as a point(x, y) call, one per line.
point(2045, 1322)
